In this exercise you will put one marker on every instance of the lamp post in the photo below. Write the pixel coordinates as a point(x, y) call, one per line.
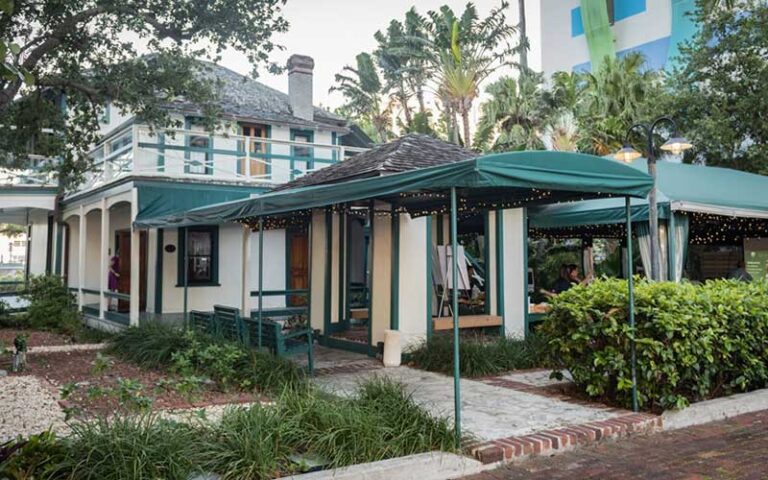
point(674, 145)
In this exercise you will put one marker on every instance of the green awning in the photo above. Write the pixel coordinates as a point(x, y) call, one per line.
point(502, 180)
point(681, 187)
point(162, 199)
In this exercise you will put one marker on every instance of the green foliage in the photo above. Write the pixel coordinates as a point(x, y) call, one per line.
point(78, 48)
point(230, 365)
point(258, 442)
point(51, 306)
point(37, 457)
point(694, 342)
point(719, 95)
point(479, 355)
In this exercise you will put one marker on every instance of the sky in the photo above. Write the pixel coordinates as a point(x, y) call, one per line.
point(333, 32)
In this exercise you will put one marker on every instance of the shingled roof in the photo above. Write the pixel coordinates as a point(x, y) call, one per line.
point(409, 152)
point(248, 100)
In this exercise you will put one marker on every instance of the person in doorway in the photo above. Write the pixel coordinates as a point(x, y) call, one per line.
point(113, 277)
point(740, 273)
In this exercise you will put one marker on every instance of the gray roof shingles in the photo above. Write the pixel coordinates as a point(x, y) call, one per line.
point(248, 100)
point(409, 152)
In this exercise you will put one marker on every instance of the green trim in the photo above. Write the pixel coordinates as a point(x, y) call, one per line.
point(49, 245)
point(394, 294)
point(188, 148)
point(214, 231)
point(671, 247)
point(328, 274)
point(525, 272)
point(159, 272)
point(487, 261)
point(160, 152)
point(500, 267)
point(310, 159)
point(339, 344)
point(27, 190)
point(440, 232)
point(342, 263)
point(348, 270)
point(429, 276)
point(59, 250)
point(371, 218)
point(334, 141)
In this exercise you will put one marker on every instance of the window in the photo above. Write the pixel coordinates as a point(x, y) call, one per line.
point(198, 159)
point(202, 258)
point(257, 150)
point(298, 152)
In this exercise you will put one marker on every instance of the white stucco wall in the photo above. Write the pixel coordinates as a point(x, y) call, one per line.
point(72, 247)
point(38, 243)
point(413, 294)
point(274, 267)
point(381, 276)
point(317, 255)
point(92, 249)
point(514, 271)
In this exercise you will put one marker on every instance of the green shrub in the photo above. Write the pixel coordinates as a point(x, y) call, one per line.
point(693, 341)
point(479, 355)
point(51, 306)
point(229, 364)
point(39, 456)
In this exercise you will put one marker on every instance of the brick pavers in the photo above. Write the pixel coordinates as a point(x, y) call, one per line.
point(734, 449)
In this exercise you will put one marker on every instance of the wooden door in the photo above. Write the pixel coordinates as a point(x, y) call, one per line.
point(258, 165)
point(123, 244)
point(299, 266)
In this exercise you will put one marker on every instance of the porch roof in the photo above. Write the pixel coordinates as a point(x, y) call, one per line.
point(505, 180)
point(681, 187)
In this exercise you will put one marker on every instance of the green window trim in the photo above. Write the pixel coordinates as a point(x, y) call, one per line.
point(500, 266)
point(208, 150)
point(161, 152)
point(159, 272)
point(214, 231)
point(266, 156)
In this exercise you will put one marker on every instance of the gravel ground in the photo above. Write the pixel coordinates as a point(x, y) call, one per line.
point(27, 407)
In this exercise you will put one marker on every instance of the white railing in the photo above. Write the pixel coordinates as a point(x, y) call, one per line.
point(197, 154)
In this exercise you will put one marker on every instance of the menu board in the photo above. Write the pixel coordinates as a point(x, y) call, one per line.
point(756, 257)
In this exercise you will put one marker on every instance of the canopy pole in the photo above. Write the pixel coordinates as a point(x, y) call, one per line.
point(261, 273)
point(455, 311)
point(186, 275)
point(631, 287)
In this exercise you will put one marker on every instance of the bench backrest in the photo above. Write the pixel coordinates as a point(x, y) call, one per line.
point(271, 332)
point(228, 321)
point(202, 322)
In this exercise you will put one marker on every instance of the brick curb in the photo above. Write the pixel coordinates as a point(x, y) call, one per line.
point(551, 442)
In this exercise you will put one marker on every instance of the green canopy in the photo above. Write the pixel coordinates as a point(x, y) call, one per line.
point(681, 187)
point(503, 180)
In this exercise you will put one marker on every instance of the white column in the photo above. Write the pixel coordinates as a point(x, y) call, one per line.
point(81, 258)
point(245, 302)
point(515, 272)
point(135, 261)
point(104, 272)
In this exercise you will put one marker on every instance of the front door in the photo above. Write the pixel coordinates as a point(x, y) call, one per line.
point(298, 268)
point(258, 163)
point(123, 246)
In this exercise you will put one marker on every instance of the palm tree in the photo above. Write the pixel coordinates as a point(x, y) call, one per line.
point(364, 94)
point(562, 134)
point(467, 50)
point(513, 115)
point(522, 30)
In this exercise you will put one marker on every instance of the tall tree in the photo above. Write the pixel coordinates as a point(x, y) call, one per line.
point(522, 30)
point(78, 50)
point(720, 93)
point(365, 96)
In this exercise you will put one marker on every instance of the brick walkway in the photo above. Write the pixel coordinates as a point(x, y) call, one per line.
point(734, 449)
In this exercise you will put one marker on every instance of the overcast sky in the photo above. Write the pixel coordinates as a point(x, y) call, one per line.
point(334, 31)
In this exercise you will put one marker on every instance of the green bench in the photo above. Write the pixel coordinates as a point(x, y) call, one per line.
point(226, 322)
point(281, 344)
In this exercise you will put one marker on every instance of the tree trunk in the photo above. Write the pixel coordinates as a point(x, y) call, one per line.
point(406, 108)
point(523, 36)
point(465, 122)
point(420, 98)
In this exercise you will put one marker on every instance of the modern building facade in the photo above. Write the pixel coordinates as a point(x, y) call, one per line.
point(571, 35)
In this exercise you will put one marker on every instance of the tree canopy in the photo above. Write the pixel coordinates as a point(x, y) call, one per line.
point(85, 53)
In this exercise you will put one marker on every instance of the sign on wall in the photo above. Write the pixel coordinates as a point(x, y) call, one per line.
point(756, 257)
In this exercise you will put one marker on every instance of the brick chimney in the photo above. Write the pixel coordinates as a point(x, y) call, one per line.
point(300, 86)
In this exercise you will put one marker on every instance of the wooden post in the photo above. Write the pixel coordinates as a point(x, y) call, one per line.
point(104, 264)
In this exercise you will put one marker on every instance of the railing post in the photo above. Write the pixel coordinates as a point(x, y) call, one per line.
point(342, 154)
point(105, 263)
point(247, 169)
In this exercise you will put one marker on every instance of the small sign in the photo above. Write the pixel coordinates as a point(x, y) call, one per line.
point(170, 248)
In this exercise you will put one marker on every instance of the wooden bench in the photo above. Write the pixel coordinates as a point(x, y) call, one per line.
point(467, 321)
point(202, 322)
point(227, 321)
point(279, 343)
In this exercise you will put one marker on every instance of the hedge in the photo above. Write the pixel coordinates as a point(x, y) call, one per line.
point(694, 342)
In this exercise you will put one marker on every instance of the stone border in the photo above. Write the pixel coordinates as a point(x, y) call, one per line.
point(716, 409)
point(422, 466)
point(75, 347)
point(353, 367)
point(551, 442)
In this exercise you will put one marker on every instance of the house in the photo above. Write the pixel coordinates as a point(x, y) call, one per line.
point(266, 138)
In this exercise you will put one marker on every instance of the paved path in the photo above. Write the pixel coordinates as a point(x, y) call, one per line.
point(733, 449)
point(488, 411)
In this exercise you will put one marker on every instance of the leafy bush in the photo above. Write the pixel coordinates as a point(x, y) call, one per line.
point(479, 355)
point(229, 364)
point(39, 456)
point(51, 306)
point(693, 341)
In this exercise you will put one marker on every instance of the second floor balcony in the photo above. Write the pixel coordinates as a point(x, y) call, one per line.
point(139, 151)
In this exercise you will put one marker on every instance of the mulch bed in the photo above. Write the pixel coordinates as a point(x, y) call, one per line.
point(65, 368)
point(36, 338)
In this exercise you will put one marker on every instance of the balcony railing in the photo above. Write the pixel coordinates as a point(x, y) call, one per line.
point(138, 150)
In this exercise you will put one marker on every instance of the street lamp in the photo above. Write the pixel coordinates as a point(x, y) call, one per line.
point(674, 145)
